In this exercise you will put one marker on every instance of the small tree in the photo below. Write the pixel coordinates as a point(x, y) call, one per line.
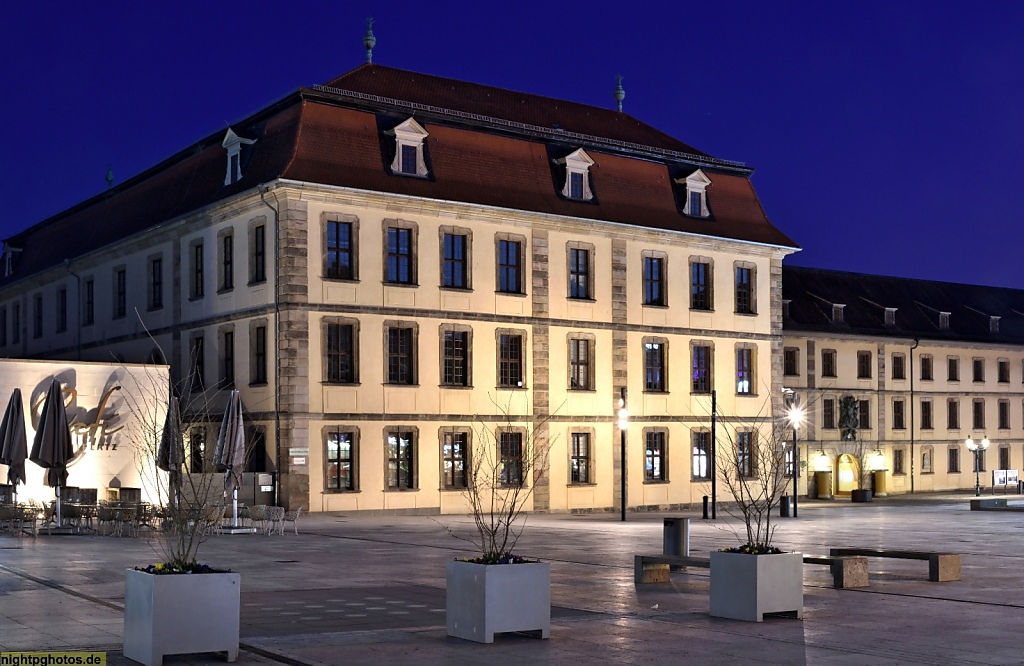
point(506, 464)
point(849, 423)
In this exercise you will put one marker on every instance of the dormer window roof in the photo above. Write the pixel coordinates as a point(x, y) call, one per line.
point(8, 259)
point(577, 175)
point(944, 321)
point(890, 317)
point(993, 324)
point(695, 202)
point(409, 141)
point(233, 145)
point(837, 313)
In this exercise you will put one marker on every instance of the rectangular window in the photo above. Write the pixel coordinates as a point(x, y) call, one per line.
point(927, 373)
point(197, 450)
point(863, 365)
point(701, 448)
point(156, 283)
point(744, 371)
point(654, 457)
point(954, 460)
point(89, 304)
point(400, 256)
point(579, 364)
point(510, 266)
point(340, 354)
point(1004, 372)
point(745, 454)
point(62, 310)
point(828, 363)
point(953, 414)
point(3, 327)
point(339, 250)
point(790, 361)
point(197, 271)
point(579, 273)
point(400, 356)
point(979, 460)
point(579, 464)
point(198, 354)
point(695, 204)
point(744, 291)
point(864, 414)
point(899, 415)
point(15, 323)
point(978, 411)
point(409, 159)
point(978, 366)
point(453, 272)
point(654, 281)
point(575, 185)
point(1004, 416)
point(120, 293)
point(401, 459)
point(700, 286)
point(511, 470)
point(828, 414)
point(654, 366)
point(227, 373)
point(953, 369)
point(260, 356)
point(456, 358)
point(701, 369)
point(340, 458)
point(37, 316)
point(899, 366)
point(1004, 457)
point(259, 253)
point(926, 460)
point(897, 461)
point(510, 361)
point(926, 415)
point(454, 454)
point(227, 262)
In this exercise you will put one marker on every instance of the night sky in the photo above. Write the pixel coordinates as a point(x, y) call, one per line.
point(886, 137)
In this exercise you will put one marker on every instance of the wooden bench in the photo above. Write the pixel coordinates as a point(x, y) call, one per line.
point(655, 568)
point(847, 571)
point(942, 567)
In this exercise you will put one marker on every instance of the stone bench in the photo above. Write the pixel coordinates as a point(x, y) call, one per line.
point(847, 571)
point(942, 567)
point(655, 568)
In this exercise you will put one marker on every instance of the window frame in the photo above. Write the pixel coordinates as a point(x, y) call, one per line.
point(450, 360)
point(702, 284)
point(397, 362)
point(953, 460)
point(580, 281)
point(703, 374)
point(156, 282)
point(394, 478)
point(197, 361)
point(120, 305)
point(506, 362)
point(864, 421)
point(899, 367)
point(927, 367)
point(258, 251)
point(395, 259)
point(62, 310)
point(226, 334)
point(952, 414)
point(581, 370)
point(656, 450)
point(864, 370)
point(353, 459)
point(654, 272)
point(978, 369)
point(1003, 371)
point(828, 413)
point(197, 275)
point(791, 361)
point(1004, 416)
point(512, 450)
point(581, 462)
point(829, 363)
point(465, 264)
point(258, 356)
point(226, 263)
point(927, 414)
point(89, 302)
point(899, 414)
point(745, 293)
point(746, 454)
point(978, 413)
point(952, 368)
point(333, 332)
point(655, 365)
point(37, 315)
point(341, 255)
point(509, 277)
point(455, 458)
point(700, 452)
point(746, 353)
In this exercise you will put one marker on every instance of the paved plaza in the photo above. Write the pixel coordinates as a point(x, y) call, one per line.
point(370, 589)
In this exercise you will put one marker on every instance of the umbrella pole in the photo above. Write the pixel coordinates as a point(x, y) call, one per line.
point(234, 507)
point(57, 489)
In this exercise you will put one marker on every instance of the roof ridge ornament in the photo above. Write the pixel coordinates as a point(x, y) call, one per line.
point(620, 94)
point(369, 41)
point(110, 175)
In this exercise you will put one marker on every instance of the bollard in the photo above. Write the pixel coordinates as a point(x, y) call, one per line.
point(784, 506)
point(705, 507)
point(676, 537)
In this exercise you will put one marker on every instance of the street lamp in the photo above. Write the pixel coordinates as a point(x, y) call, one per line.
point(977, 449)
point(623, 426)
point(795, 414)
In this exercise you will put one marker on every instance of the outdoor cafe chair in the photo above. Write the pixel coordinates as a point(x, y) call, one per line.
point(274, 520)
point(293, 518)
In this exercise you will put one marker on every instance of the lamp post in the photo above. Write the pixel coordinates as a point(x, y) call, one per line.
point(623, 426)
point(795, 414)
point(977, 448)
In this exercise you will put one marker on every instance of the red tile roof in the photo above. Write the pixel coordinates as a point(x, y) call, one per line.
point(318, 138)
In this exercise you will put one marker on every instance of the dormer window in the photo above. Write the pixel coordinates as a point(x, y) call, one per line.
point(8, 259)
point(993, 324)
point(696, 201)
point(890, 317)
point(837, 313)
point(785, 308)
point(577, 175)
point(409, 140)
point(944, 321)
point(233, 145)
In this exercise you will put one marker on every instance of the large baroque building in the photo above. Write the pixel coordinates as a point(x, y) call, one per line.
point(924, 366)
point(401, 272)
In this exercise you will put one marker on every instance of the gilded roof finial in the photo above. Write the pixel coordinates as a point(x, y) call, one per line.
point(369, 41)
point(110, 176)
point(620, 94)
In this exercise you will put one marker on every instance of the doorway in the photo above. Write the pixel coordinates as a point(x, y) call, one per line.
point(846, 474)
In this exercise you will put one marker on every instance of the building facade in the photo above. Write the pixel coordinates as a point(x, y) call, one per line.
point(401, 273)
point(919, 366)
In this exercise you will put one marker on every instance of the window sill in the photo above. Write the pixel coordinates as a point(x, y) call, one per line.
point(331, 278)
point(830, 376)
point(460, 290)
point(456, 387)
point(655, 305)
point(453, 489)
point(404, 174)
point(927, 473)
point(257, 384)
point(397, 385)
point(708, 310)
point(578, 389)
point(655, 482)
point(516, 294)
point(193, 299)
point(327, 382)
point(899, 473)
point(655, 392)
point(401, 490)
point(746, 314)
point(340, 491)
point(404, 285)
point(225, 290)
point(581, 484)
point(581, 299)
point(700, 393)
point(511, 388)
point(152, 308)
point(746, 395)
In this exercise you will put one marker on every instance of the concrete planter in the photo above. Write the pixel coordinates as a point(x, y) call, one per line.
point(485, 599)
point(180, 614)
point(745, 587)
point(860, 495)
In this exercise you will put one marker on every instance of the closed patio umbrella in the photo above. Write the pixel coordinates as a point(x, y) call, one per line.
point(13, 442)
point(171, 455)
point(229, 456)
point(51, 448)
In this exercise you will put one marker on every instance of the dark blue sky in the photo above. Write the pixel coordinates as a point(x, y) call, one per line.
point(887, 137)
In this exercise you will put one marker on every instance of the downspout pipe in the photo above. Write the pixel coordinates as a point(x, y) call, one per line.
point(916, 343)
point(78, 310)
point(262, 187)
